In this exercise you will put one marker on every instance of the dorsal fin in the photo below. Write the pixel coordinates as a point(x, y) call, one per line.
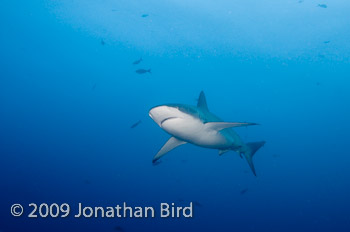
point(202, 102)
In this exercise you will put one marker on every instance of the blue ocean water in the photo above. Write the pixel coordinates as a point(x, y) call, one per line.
point(69, 94)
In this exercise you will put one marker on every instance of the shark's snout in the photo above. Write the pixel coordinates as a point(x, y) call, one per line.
point(160, 114)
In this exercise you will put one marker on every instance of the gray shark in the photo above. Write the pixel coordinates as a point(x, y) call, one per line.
point(198, 126)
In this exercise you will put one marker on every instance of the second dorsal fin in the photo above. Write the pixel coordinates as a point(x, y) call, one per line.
point(202, 102)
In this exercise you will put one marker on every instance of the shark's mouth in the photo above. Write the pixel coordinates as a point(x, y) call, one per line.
point(164, 120)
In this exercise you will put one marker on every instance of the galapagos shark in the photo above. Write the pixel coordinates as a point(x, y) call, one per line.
point(198, 126)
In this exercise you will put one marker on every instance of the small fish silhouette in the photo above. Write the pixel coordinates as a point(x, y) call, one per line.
point(87, 182)
point(102, 42)
point(196, 203)
point(143, 71)
point(144, 15)
point(119, 228)
point(326, 42)
point(137, 61)
point(135, 124)
point(322, 5)
point(243, 191)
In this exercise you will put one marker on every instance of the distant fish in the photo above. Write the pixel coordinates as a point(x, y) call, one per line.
point(196, 203)
point(102, 42)
point(143, 71)
point(243, 191)
point(135, 124)
point(326, 42)
point(137, 61)
point(94, 87)
point(87, 182)
point(144, 15)
point(301, 1)
point(119, 228)
point(322, 5)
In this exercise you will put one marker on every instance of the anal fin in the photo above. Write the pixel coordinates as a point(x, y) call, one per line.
point(168, 146)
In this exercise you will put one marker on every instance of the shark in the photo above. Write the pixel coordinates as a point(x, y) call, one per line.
point(198, 126)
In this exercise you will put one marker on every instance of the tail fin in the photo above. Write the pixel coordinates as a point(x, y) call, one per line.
point(149, 70)
point(250, 151)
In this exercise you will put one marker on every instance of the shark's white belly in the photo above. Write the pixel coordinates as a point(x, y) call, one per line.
point(194, 131)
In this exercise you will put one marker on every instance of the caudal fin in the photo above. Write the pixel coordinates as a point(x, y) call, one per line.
point(250, 151)
point(149, 70)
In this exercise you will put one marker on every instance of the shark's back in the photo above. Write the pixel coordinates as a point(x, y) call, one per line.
point(202, 114)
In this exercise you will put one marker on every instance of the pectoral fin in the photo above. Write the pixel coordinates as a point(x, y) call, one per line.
point(223, 125)
point(168, 146)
